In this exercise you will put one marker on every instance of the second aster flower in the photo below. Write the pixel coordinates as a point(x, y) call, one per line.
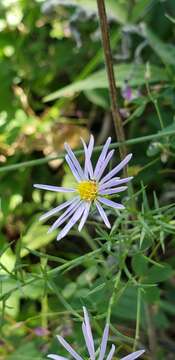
point(91, 188)
point(88, 337)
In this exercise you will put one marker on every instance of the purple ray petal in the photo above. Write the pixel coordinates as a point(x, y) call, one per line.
point(69, 348)
point(89, 149)
point(85, 215)
point(88, 330)
point(69, 213)
point(53, 188)
point(56, 209)
point(134, 355)
point(104, 165)
point(127, 93)
point(88, 163)
point(70, 210)
point(88, 342)
point(110, 203)
point(111, 353)
point(74, 160)
point(117, 168)
point(104, 342)
point(71, 222)
point(112, 191)
point(91, 145)
point(56, 357)
point(115, 182)
point(103, 214)
point(102, 156)
point(73, 169)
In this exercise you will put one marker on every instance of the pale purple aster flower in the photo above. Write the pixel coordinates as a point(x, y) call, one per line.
point(87, 333)
point(41, 331)
point(130, 94)
point(92, 187)
point(127, 93)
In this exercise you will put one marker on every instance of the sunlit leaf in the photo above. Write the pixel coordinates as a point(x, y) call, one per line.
point(135, 74)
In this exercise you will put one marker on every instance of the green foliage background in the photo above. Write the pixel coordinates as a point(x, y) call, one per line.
point(54, 88)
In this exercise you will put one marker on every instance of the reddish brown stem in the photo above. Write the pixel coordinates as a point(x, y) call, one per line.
point(111, 78)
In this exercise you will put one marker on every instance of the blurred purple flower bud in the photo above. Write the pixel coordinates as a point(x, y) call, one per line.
point(130, 94)
point(41, 331)
point(127, 93)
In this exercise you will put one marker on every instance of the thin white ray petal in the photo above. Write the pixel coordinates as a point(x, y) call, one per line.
point(134, 355)
point(112, 191)
point(103, 214)
point(114, 171)
point(104, 165)
point(88, 342)
point(53, 188)
point(73, 169)
point(88, 163)
point(114, 182)
point(85, 215)
point(56, 209)
point(69, 348)
point(111, 353)
point(74, 160)
point(102, 156)
point(91, 145)
point(71, 222)
point(56, 357)
point(104, 342)
point(70, 210)
point(86, 171)
point(88, 329)
point(110, 203)
point(90, 150)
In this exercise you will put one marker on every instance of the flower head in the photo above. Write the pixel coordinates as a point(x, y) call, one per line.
point(91, 188)
point(130, 94)
point(87, 333)
point(41, 331)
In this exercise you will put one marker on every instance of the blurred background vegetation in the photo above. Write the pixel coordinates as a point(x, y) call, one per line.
point(53, 88)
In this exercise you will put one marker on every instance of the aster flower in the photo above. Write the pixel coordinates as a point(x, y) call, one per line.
point(91, 188)
point(130, 94)
point(87, 333)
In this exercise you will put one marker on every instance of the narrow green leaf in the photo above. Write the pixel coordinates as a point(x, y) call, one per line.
point(135, 74)
point(166, 52)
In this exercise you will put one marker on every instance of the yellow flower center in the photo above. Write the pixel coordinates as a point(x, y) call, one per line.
point(88, 190)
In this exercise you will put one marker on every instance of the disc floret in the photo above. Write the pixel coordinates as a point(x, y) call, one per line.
point(88, 190)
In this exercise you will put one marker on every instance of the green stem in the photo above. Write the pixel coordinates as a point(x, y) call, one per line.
point(112, 299)
point(44, 300)
point(46, 159)
point(155, 103)
point(151, 330)
point(137, 319)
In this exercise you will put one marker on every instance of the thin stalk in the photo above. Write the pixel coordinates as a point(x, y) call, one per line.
point(61, 155)
point(136, 340)
point(112, 299)
point(155, 103)
point(151, 330)
point(111, 78)
point(44, 300)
